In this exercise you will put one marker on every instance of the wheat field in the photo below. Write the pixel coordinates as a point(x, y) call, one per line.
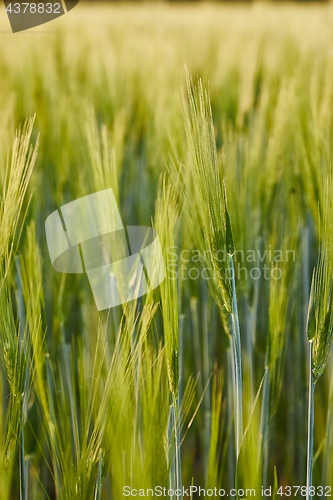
point(214, 125)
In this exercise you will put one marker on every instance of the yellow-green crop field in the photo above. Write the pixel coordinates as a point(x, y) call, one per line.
point(213, 124)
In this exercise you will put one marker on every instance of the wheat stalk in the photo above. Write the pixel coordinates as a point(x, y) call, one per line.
point(215, 221)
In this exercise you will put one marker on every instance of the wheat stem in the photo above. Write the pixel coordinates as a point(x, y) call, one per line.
point(175, 473)
point(237, 352)
point(177, 447)
point(23, 475)
point(309, 462)
point(99, 481)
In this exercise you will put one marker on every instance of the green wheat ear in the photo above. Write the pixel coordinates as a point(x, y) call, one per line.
point(320, 313)
point(166, 217)
point(18, 172)
point(215, 217)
